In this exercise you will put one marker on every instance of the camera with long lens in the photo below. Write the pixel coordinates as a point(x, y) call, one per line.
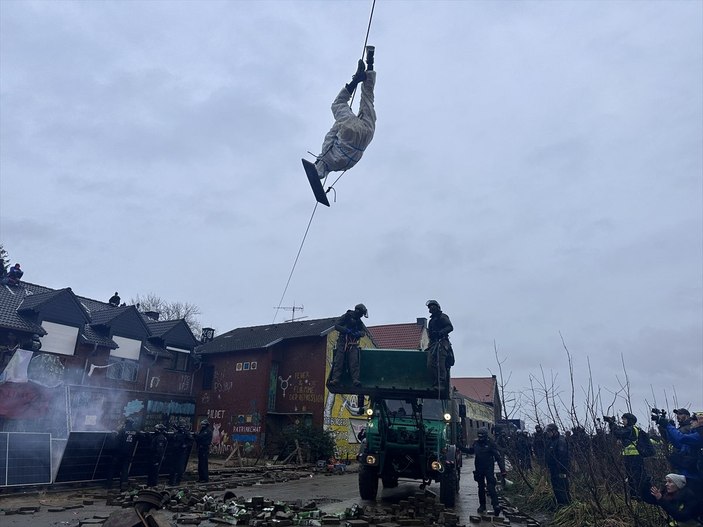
point(658, 414)
point(609, 419)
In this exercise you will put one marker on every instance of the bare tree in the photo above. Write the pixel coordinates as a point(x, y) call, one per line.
point(4, 261)
point(170, 310)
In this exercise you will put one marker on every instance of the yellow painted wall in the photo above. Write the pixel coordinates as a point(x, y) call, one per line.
point(341, 416)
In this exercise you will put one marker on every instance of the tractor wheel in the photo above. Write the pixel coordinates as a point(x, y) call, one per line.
point(448, 488)
point(368, 483)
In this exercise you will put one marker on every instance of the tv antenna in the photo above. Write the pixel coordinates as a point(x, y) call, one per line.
point(292, 309)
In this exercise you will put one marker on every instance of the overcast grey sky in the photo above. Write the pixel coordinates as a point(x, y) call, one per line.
point(537, 168)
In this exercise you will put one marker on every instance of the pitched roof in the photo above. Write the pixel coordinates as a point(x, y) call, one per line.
point(19, 304)
point(398, 336)
point(34, 300)
point(93, 335)
point(10, 300)
point(108, 314)
point(480, 389)
point(257, 337)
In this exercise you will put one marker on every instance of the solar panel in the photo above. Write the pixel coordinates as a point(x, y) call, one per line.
point(26, 458)
point(3, 458)
point(84, 458)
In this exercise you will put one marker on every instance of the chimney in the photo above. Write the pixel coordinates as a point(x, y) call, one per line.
point(207, 335)
point(153, 315)
point(422, 321)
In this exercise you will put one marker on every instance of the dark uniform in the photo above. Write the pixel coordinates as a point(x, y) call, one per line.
point(203, 438)
point(523, 445)
point(440, 356)
point(538, 444)
point(158, 445)
point(486, 456)
point(182, 443)
point(346, 352)
point(121, 445)
point(557, 461)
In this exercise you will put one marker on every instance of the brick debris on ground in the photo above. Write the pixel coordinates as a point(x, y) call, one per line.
point(217, 504)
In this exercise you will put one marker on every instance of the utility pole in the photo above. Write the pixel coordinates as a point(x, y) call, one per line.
point(293, 309)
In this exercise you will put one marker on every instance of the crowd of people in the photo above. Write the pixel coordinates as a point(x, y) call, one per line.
point(672, 481)
point(168, 450)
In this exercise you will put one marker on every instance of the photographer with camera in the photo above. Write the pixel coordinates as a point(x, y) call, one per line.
point(683, 418)
point(688, 447)
point(627, 436)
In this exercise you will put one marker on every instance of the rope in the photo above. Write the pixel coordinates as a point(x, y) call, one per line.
point(307, 229)
point(366, 40)
point(297, 256)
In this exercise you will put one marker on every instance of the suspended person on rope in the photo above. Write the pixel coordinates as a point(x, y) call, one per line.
point(346, 352)
point(440, 356)
point(345, 143)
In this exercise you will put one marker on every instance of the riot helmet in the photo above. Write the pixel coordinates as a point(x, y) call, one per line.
point(361, 309)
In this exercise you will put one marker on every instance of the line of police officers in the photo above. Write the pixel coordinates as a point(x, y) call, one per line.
point(122, 444)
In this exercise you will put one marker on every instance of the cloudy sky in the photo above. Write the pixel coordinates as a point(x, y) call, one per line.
point(537, 168)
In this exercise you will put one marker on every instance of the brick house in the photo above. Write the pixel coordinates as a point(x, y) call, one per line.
point(255, 381)
point(97, 364)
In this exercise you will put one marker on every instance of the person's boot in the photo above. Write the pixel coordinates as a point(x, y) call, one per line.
point(369, 57)
point(481, 509)
point(359, 76)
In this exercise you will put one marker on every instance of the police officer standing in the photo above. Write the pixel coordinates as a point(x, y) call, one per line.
point(557, 461)
point(440, 356)
point(182, 443)
point(486, 455)
point(122, 445)
point(203, 439)
point(158, 450)
point(346, 352)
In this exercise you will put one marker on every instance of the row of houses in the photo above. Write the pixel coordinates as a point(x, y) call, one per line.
point(74, 364)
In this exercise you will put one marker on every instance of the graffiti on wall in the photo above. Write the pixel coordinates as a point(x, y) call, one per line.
point(305, 389)
point(244, 429)
point(341, 417)
point(220, 383)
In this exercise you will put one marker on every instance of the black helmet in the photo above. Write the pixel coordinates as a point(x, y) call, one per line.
point(160, 427)
point(433, 303)
point(551, 427)
point(204, 422)
point(361, 309)
point(482, 432)
point(631, 419)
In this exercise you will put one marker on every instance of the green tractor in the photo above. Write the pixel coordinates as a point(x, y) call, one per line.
point(411, 439)
point(412, 427)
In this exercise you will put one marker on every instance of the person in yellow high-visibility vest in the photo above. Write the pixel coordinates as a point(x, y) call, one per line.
point(634, 465)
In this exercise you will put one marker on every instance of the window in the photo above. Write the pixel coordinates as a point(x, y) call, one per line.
point(246, 366)
point(128, 348)
point(180, 362)
point(59, 338)
point(208, 376)
point(180, 358)
point(123, 370)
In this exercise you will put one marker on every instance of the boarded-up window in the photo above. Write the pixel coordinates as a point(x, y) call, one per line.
point(128, 348)
point(59, 338)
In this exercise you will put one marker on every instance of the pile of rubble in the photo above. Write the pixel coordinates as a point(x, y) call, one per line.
point(150, 508)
